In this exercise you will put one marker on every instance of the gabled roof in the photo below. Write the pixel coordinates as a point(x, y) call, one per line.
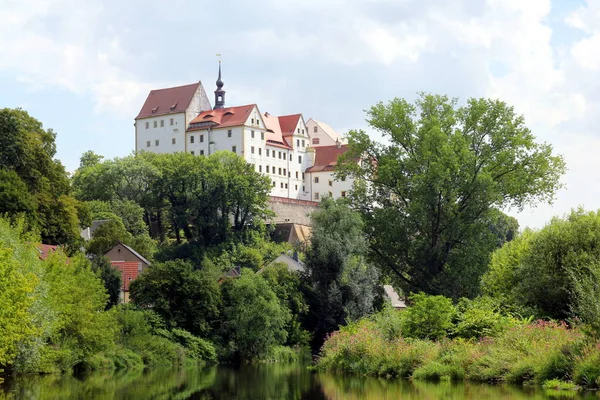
point(168, 101)
point(326, 157)
point(274, 134)
point(288, 123)
point(138, 255)
point(222, 117)
point(327, 129)
point(45, 250)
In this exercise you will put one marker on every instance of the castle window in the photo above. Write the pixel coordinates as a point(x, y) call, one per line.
point(201, 138)
point(147, 125)
point(281, 185)
point(259, 151)
point(297, 142)
point(296, 174)
point(284, 172)
point(252, 134)
point(234, 149)
point(192, 152)
point(192, 139)
point(171, 121)
point(299, 159)
point(303, 143)
point(267, 169)
point(315, 129)
point(162, 123)
point(252, 149)
point(260, 168)
point(156, 142)
point(201, 152)
point(344, 193)
point(330, 183)
point(303, 176)
point(316, 195)
point(252, 121)
point(229, 133)
point(267, 152)
point(330, 194)
point(304, 188)
point(303, 131)
point(315, 141)
point(279, 171)
point(290, 156)
point(286, 186)
point(155, 124)
point(148, 143)
point(273, 183)
point(280, 155)
point(262, 136)
point(295, 187)
point(173, 141)
point(298, 130)
point(316, 179)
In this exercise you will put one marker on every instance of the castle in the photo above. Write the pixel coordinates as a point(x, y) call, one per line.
point(298, 156)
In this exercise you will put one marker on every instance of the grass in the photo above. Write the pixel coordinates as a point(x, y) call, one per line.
point(540, 353)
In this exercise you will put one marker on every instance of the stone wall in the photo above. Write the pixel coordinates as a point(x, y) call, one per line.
point(291, 210)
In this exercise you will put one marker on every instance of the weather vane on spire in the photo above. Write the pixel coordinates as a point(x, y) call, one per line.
point(219, 56)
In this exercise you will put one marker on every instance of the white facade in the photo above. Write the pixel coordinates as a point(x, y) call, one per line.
point(162, 134)
point(323, 184)
point(321, 134)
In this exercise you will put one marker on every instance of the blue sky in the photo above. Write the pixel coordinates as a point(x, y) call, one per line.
point(85, 68)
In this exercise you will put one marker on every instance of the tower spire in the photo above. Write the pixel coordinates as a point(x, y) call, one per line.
point(219, 93)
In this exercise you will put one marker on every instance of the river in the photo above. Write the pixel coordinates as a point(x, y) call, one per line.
point(274, 381)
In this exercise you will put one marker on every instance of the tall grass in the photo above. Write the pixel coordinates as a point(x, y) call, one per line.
point(525, 353)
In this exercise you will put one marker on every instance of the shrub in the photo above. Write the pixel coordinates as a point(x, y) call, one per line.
point(196, 348)
point(586, 371)
point(478, 318)
point(429, 317)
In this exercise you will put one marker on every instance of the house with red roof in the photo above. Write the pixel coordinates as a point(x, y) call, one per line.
point(161, 123)
point(300, 164)
point(130, 263)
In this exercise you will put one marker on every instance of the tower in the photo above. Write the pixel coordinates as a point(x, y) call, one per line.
point(219, 93)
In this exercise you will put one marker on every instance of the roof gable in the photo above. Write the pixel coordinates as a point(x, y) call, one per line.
point(135, 253)
point(288, 123)
point(326, 157)
point(168, 101)
point(222, 117)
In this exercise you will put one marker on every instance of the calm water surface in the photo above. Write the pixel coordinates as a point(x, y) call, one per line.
point(275, 381)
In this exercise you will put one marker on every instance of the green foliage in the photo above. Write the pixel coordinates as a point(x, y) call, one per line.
point(110, 276)
point(430, 197)
point(552, 272)
point(186, 298)
point(341, 283)
point(253, 317)
point(428, 317)
point(287, 288)
point(479, 318)
point(33, 182)
point(196, 347)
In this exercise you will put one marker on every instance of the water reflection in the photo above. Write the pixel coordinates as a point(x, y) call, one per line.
point(273, 381)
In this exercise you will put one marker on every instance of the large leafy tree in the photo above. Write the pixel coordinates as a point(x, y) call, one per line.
point(185, 297)
point(254, 318)
point(33, 182)
point(552, 272)
point(430, 193)
point(342, 284)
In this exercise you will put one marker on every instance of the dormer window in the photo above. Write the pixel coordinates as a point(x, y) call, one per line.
point(154, 110)
point(173, 106)
point(208, 116)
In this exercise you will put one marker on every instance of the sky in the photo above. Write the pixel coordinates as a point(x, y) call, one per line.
point(84, 68)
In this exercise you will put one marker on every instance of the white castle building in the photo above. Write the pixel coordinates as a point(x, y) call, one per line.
point(298, 156)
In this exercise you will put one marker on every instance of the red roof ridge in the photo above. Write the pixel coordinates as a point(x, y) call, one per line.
point(169, 100)
point(326, 157)
point(222, 117)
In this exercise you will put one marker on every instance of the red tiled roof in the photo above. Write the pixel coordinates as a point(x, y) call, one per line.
point(129, 272)
point(223, 117)
point(274, 134)
point(288, 123)
point(168, 101)
point(45, 250)
point(326, 157)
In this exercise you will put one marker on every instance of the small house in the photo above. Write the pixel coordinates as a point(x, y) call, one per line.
point(130, 263)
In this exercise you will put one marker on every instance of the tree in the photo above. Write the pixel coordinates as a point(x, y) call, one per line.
point(254, 319)
point(341, 283)
point(27, 151)
point(428, 196)
point(110, 276)
point(183, 297)
point(551, 273)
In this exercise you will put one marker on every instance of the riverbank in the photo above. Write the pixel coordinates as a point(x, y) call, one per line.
point(538, 353)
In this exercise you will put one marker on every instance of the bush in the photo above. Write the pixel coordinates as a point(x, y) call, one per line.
point(429, 317)
point(196, 348)
point(586, 371)
point(478, 318)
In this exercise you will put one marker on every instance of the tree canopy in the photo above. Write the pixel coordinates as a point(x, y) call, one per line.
point(431, 194)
